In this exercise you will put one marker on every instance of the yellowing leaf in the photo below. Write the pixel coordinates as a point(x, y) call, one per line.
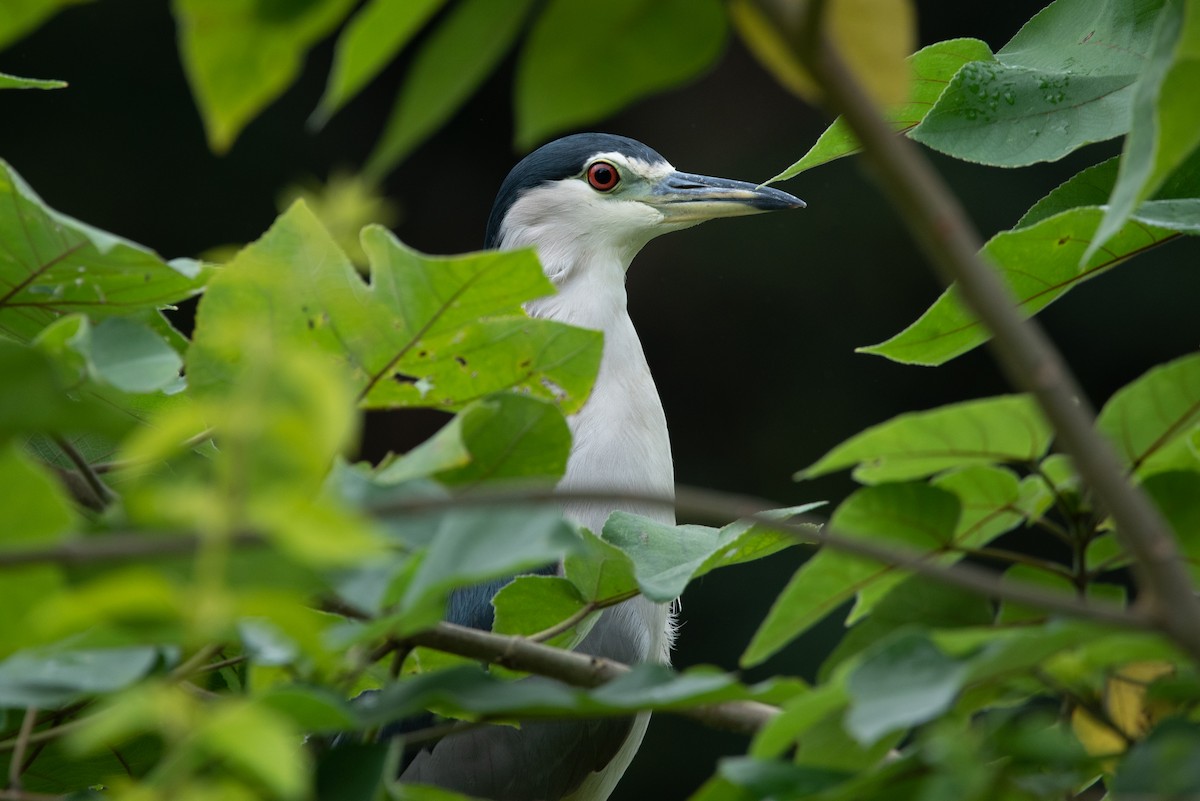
point(873, 37)
point(1126, 706)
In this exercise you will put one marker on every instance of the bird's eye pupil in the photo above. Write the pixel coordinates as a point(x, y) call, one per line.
point(603, 176)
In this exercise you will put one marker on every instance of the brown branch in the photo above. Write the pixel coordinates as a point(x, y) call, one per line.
point(939, 224)
point(104, 495)
point(702, 504)
point(578, 670)
point(23, 795)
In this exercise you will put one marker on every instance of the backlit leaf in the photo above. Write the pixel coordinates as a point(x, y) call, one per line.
point(449, 65)
point(374, 36)
point(531, 604)
point(241, 55)
point(648, 46)
point(1007, 428)
point(427, 331)
point(872, 36)
point(51, 265)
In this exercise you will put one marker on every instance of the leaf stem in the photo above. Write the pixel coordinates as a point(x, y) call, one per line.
point(16, 763)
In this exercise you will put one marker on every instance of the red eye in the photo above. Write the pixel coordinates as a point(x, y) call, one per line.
point(603, 176)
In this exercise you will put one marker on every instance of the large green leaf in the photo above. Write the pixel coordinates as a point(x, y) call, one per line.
point(1150, 420)
point(505, 436)
point(239, 55)
point(51, 264)
point(1165, 125)
point(427, 331)
point(583, 61)
point(374, 35)
point(600, 570)
point(1007, 428)
point(932, 69)
point(1039, 263)
point(903, 682)
point(916, 516)
point(456, 58)
point(20, 17)
point(15, 82)
point(1065, 80)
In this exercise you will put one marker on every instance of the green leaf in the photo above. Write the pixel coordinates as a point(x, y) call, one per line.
point(600, 570)
point(35, 513)
point(60, 770)
point(1182, 215)
point(1007, 428)
point(1165, 125)
point(932, 68)
point(15, 82)
point(906, 681)
point(506, 436)
point(427, 331)
point(375, 34)
point(34, 399)
point(665, 558)
point(1163, 765)
point(1039, 263)
point(511, 437)
point(239, 56)
point(129, 356)
point(1149, 420)
point(474, 545)
point(648, 45)
point(21, 17)
point(989, 497)
point(916, 601)
point(769, 779)
point(1088, 187)
point(51, 678)
point(914, 515)
point(311, 709)
point(1065, 80)
point(450, 64)
point(51, 264)
point(531, 604)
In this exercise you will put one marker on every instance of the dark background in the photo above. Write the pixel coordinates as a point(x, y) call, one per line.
point(749, 325)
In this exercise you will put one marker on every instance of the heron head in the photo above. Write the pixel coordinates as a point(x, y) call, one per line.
point(606, 196)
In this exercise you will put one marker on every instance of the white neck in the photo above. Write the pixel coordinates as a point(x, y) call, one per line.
point(621, 440)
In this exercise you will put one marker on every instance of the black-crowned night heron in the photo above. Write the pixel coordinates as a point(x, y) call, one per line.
point(587, 204)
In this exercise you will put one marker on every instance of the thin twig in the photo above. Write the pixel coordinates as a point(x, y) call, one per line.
point(1015, 557)
point(104, 495)
point(703, 504)
point(25, 795)
point(940, 225)
point(564, 625)
point(17, 762)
